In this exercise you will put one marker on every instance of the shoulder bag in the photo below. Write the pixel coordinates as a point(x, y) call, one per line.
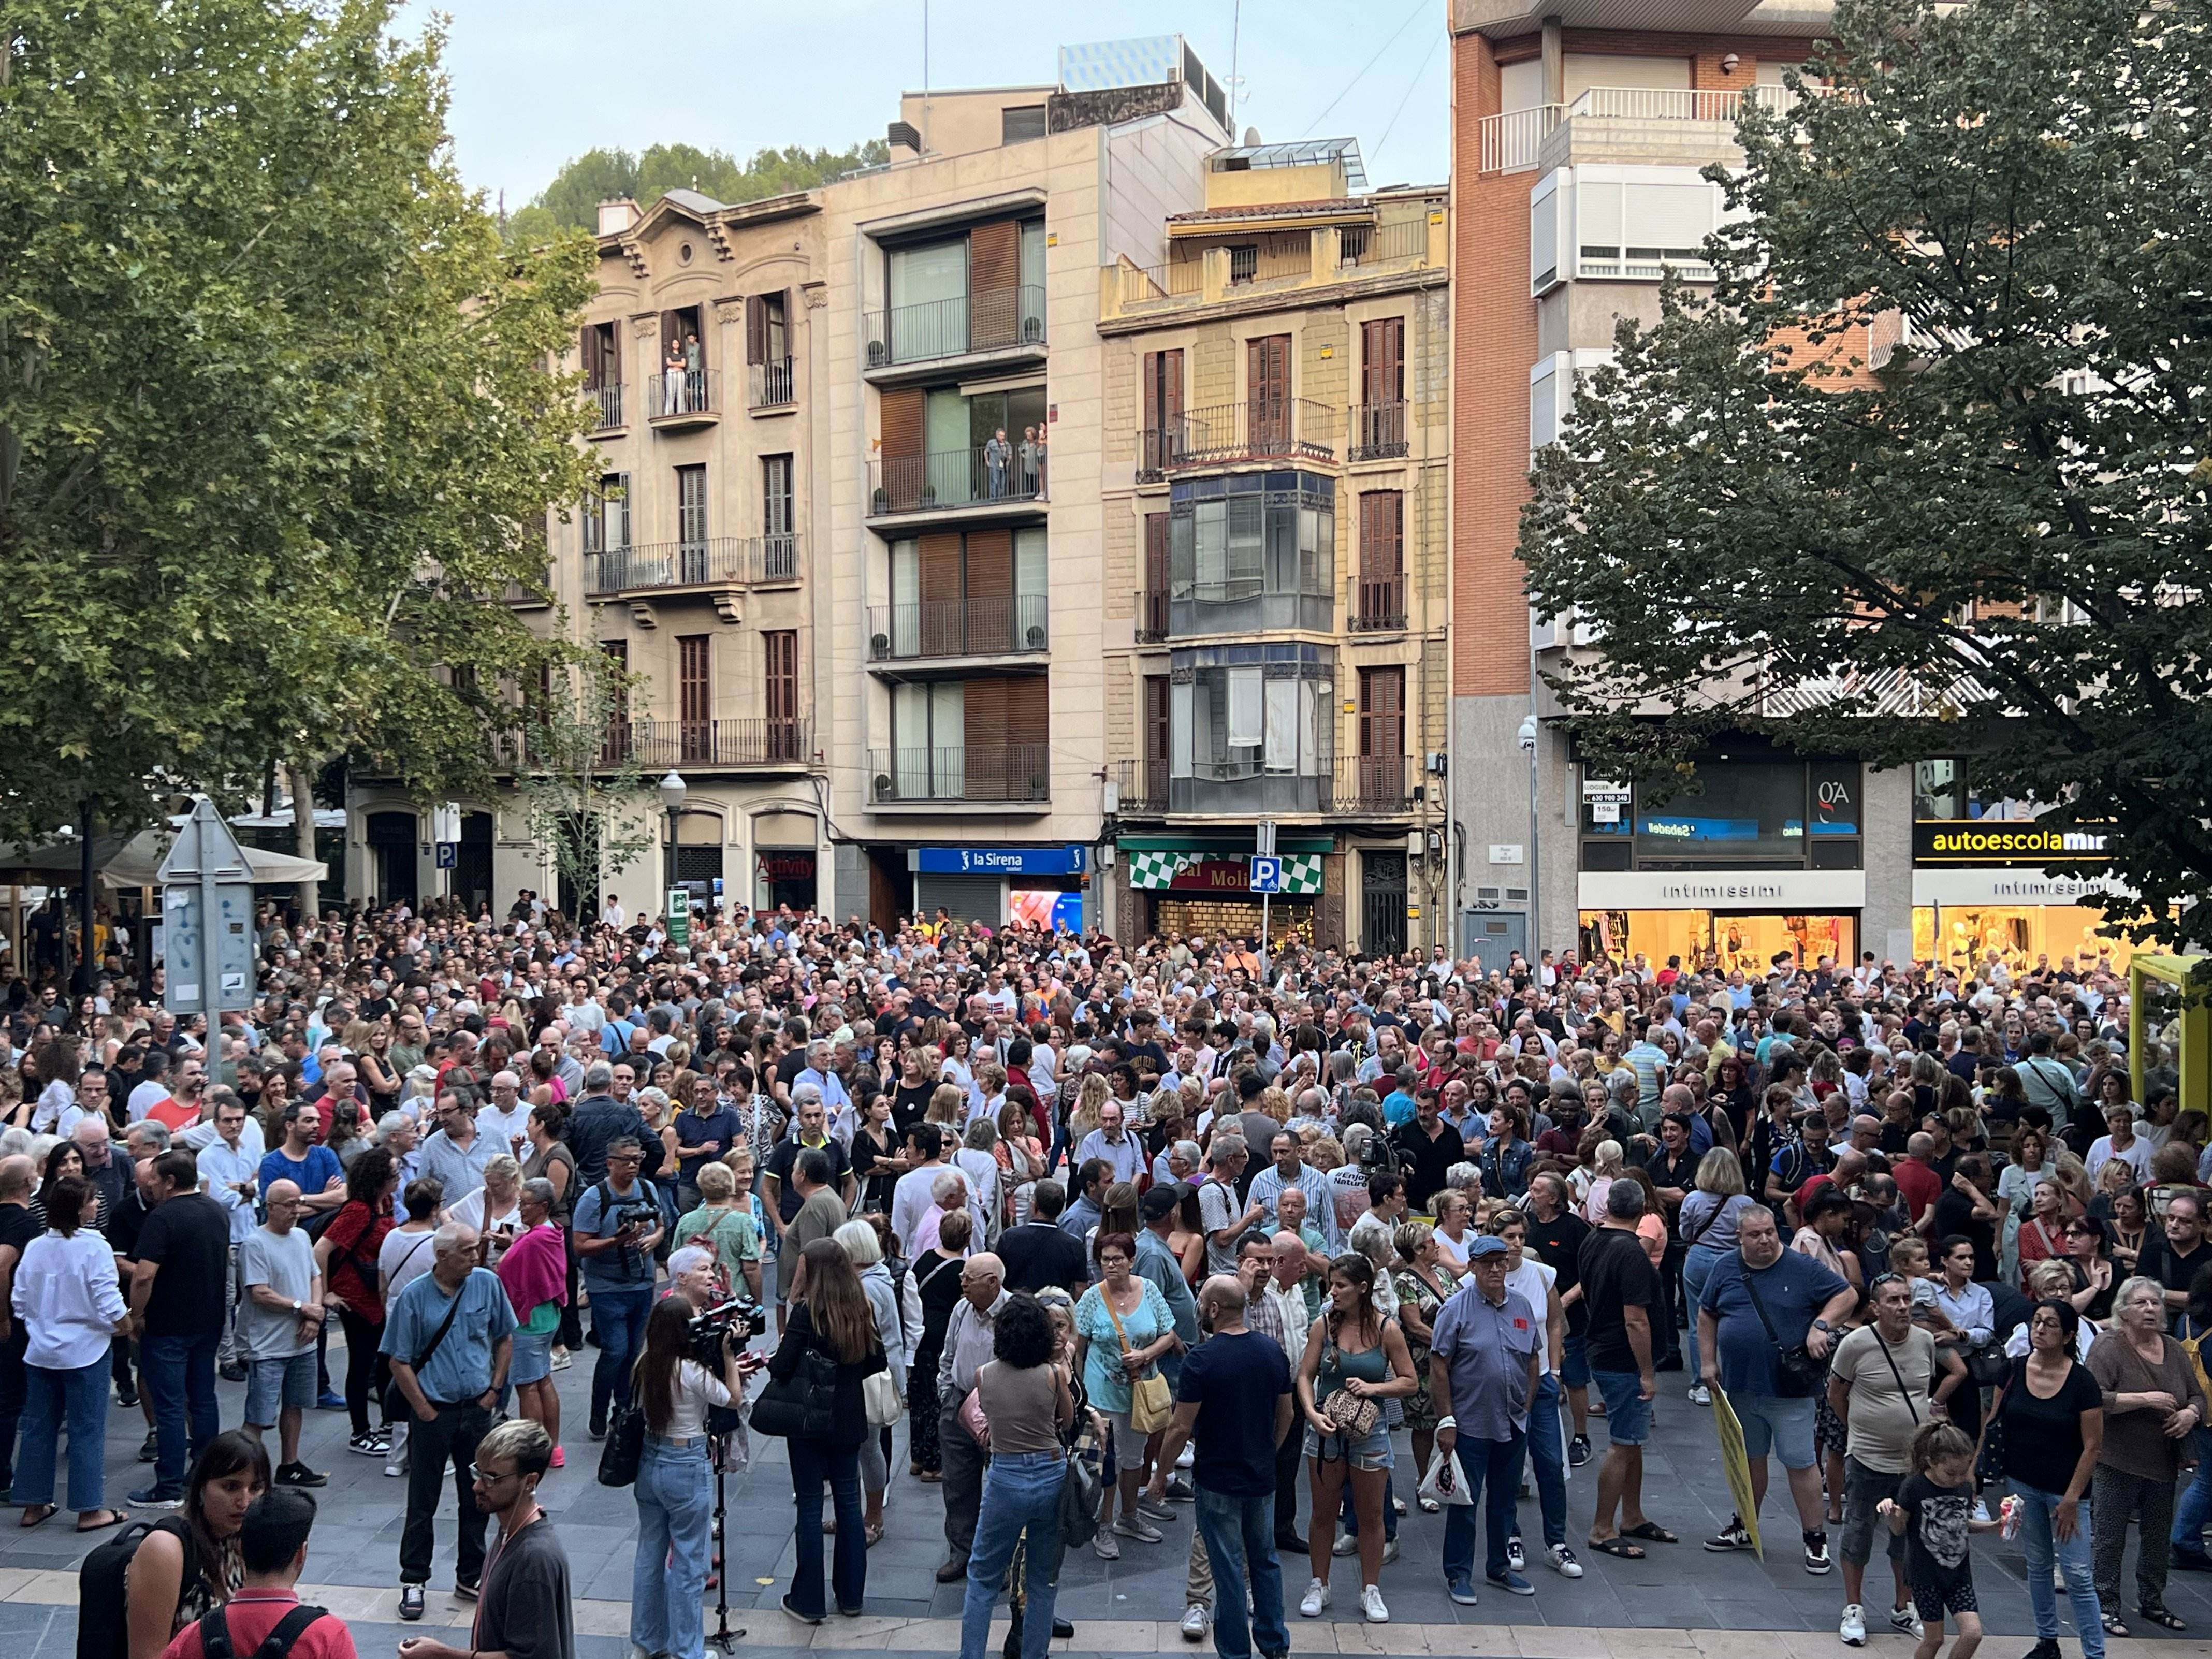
point(803, 1405)
point(396, 1404)
point(1353, 1416)
point(1796, 1373)
point(1151, 1402)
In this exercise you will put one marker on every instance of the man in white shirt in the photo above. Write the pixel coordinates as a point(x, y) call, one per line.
point(612, 915)
point(229, 1175)
point(504, 1121)
point(152, 1088)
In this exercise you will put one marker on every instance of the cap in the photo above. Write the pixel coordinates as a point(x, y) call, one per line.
point(1160, 1200)
point(1484, 1244)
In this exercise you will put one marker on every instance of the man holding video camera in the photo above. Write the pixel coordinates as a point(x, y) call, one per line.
point(619, 1223)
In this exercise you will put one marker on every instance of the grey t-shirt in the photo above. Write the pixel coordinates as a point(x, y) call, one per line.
point(287, 1266)
point(525, 1612)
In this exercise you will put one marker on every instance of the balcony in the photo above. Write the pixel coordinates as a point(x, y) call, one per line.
point(985, 774)
point(949, 479)
point(956, 627)
point(1370, 783)
point(655, 744)
point(770, 386)
point(1375, 604)
point(1361, 245)
point(675, 399)
point(1143, 784)
point(1510, 142)
point(996, 320)
point(1350, 786)
point(1378, 432)
point(607, 401)
point(1151, 616)
point(716, 561)
point(1245, 604)
point(1269, 430)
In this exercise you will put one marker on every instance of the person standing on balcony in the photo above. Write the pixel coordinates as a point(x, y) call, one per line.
point(694, 374)
point(1038, 474)
point(996, 454)
point(1032, 477)
point(671, 378)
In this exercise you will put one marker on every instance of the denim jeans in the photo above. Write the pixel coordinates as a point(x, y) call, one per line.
point(619, 1318)
point(1020, 1492)
point(178, 1375)
point(2194, 1506)
point(1240, 1541)
point(668, 1586)
point(83, 1392)
point(1348, 1512)
point(1697, 1267)
point(1496, 1463)
point(2038, 1542)
point(813, 1462)
point(1547, 1455)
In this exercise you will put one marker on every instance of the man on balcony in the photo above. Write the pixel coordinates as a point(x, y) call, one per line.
point(695, 374)
point(997, 454)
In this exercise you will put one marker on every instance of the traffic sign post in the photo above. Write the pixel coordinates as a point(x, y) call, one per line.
point(679, 916)
point(1267, 881)
point(449, 855)
point(206, 905)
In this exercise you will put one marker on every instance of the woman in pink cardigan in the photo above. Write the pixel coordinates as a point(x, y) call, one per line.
point(535, 1271)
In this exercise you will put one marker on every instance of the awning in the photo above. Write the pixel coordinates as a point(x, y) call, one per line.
point(137, 862)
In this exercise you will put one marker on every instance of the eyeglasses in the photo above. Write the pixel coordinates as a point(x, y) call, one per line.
point(488, 1477)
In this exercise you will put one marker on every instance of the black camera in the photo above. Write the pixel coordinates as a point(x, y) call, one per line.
point(740, 1317)
point(643, 1214)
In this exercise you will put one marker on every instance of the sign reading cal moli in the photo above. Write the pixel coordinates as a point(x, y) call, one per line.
point(2005, 843)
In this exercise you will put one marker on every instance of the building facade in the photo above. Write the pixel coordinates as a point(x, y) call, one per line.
point(1275, 515)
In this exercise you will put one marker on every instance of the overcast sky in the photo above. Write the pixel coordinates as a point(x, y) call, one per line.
point(537, 81)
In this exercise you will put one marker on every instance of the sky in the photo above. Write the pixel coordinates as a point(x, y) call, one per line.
point(538, 81)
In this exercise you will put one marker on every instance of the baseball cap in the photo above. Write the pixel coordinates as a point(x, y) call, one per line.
point(1162, 1199)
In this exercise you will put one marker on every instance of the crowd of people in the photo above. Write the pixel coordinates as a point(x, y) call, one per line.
point(1099, 1228)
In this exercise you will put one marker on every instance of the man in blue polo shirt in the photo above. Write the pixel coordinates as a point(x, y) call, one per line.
point(1483, 1366)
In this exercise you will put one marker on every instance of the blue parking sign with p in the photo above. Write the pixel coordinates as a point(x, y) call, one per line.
point(1266, 875)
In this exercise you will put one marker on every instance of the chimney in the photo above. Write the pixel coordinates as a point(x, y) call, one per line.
point(617, 215)
point(904, 136)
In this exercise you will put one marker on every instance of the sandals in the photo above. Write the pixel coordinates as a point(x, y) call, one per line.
point(37, 1514)
point(2113, 1627)
point(874, 1534)
point(1619, 1546)
point(110, 1518)
point(1651, 1532)
point(2163, 1618)
point(1429, 1505)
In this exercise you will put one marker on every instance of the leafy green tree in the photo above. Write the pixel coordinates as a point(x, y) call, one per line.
point(278, 409)
point(572, 200)
point(1964, 509)
point(589, 802)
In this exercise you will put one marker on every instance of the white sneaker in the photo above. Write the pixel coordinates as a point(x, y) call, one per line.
point(1701, 1395)
point(1311, 1604)
point(1345, 1544)
point(1907, 1620)
point(1517, 1557)
point(1389, 1551)
point(1370, 1605)
point(1138, 1528)
point(1981, 1513)
point(1852, 1631)
point(1187, 1456)
point(1106, 1547)
point(1563, 1562)
point(1194, 1623)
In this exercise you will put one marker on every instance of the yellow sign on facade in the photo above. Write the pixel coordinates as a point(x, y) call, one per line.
point(1736, 1463)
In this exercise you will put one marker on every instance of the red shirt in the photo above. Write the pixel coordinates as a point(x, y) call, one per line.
point(257, 1610)
point(1920, 1185)
point(174, 1112)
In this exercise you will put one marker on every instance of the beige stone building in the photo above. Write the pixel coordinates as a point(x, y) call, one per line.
point(1275, 512)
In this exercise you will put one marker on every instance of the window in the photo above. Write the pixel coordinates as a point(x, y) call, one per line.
point(1241, 713)
point(695, 696)
point(1267, 385)
point(1018, 122)
point(1248, 540)
point(767, 348)
point(780, 701)
point(1244, 263)
point(606, 522)
point(780, 546)
point(1761, 814)
point(1381, 595)
point(691, 506)
point(1627, 223)
point(1163, 440)
point(929, 301)
point(1552, 387)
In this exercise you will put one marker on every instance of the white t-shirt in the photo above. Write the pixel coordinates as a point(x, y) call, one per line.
point(404, 1258)
point(696, 1388)
point(1534, 1280)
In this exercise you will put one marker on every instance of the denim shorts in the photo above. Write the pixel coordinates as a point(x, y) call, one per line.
point(272, 1383)
point(1372, 1451)
point(1783, 1427)
point(531, 1360)
point(1627, 1413)
point(1574, 1364)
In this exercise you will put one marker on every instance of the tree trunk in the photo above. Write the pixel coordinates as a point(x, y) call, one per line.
point(300, 781)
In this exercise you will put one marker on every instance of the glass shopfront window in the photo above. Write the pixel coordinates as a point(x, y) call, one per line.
point(1717, 941)
point(2018, 935)
point(1756, 814)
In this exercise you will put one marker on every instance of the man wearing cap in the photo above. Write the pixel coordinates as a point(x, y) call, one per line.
point(1483, 1366)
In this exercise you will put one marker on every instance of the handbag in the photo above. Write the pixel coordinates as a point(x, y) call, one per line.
point(1988, 1366)
point(1151, 1402)
point(804, 1405)
point(1080, 1488)
point(879, 1395)
point(1348, 1413)
point(624, 1446)
point(972, 1419)
point(1796, 1373)
point(397, 1406)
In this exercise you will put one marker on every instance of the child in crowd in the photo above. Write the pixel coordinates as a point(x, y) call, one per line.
point(1934, 1510)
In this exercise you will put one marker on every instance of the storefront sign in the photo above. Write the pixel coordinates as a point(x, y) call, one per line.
point(999, 860)
point(1189, 872)
point(1819, 891)
point(2011, 843)
point(2000, 886)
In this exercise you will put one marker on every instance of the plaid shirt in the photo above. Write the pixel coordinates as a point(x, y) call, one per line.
point(1261, 1314)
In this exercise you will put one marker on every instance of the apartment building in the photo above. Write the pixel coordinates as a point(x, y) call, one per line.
point(696, 567)
point(1275, 500)
point(1577, 149)
point(966, 447)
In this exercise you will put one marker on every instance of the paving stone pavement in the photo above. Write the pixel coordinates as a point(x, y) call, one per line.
point(1673, 1599)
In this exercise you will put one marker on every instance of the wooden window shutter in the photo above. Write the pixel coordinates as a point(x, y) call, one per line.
point(983, 723)
point(994, 275)
point(695, 696)
point(1268, 388)
point(1383, 368)
point(1156, 553)
point(990, 613)
point(1156, 718)
point(780, 664)
point(755, 328)
point(900, 416)
point(588, 351)
point(1381, 713)
point(1152, 390)
point(1171, 397)
point(1029, 751)
point(943, 593)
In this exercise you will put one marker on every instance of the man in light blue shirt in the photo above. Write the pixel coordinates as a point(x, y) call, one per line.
point(229, 1174)
point(456, 1155)
point(1289, 1170)
point(1650, 1061)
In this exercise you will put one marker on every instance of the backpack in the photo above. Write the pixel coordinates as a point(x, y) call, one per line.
point(2193, 1346)
point(215, 1632)
point(102, 1632)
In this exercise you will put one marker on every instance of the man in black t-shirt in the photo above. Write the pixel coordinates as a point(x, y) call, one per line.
point(1037, 1253)
point(17, 1229)
point(1555, 1238)
point(177, 1282)
point(1621, 1288)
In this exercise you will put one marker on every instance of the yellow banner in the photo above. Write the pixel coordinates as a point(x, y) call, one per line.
point(1736, 1463)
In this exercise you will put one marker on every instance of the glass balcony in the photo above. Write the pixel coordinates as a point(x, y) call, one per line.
point(1012, 773)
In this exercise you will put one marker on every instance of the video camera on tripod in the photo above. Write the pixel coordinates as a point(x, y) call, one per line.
point(733, 1324)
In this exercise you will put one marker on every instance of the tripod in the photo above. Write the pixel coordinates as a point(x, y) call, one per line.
point(723, 1638)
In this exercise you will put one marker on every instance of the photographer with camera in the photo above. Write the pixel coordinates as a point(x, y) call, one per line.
point(675, 1473)
point(619, 1223)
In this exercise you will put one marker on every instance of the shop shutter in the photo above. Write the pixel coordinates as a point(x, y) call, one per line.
point(967, 898)
point(994, 275)
point(989, 614)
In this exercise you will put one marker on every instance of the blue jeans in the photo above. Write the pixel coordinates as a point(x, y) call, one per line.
point(1697, 1267)
point(668, 1586)
point(619, 1318)
point(2039, 1543)
point(1497, 1464)
point(178, 1374)
point(1547, 1455)
point(1019, 1491)
point(1348, 1512)
point(1240, 1543)
point(84, 1393)
point(2194, 1507)
point(813, 1462)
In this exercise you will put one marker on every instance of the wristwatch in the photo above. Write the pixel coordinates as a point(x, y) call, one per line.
point(298, 1306)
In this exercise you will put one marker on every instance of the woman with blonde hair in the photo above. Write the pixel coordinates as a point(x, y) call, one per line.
point(1605, 1166)
point(1090, 1098)
point(945, 1107)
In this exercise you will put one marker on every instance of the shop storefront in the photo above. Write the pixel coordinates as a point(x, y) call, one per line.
point(1194, 888)
point(1726, 921)
point(1047, 886)
point(786, 869)
point(1980, 889)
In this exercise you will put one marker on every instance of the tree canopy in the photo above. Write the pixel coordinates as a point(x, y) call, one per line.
point(278, 408)
point(572, 200)
point(1924, 473)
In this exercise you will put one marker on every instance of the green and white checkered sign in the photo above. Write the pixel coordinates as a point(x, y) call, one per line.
point(1300, 871)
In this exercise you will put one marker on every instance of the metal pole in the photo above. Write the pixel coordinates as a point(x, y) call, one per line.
point(86, 956)
point(1536, 875)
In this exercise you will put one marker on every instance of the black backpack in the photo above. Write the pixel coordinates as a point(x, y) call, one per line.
point(102, 1630)
point(214, 1633)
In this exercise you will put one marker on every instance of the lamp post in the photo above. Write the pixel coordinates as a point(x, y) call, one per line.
point(1535, 867)
point(673, 791)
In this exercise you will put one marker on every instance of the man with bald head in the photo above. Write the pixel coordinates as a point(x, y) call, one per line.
point(17, 1229)
point(969, 1336)
point(278, 1321)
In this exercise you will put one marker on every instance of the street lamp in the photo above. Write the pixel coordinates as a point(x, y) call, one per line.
point(673, 791)
point(1528, 737)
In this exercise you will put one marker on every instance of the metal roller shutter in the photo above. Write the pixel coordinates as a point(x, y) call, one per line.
point(970, 898)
